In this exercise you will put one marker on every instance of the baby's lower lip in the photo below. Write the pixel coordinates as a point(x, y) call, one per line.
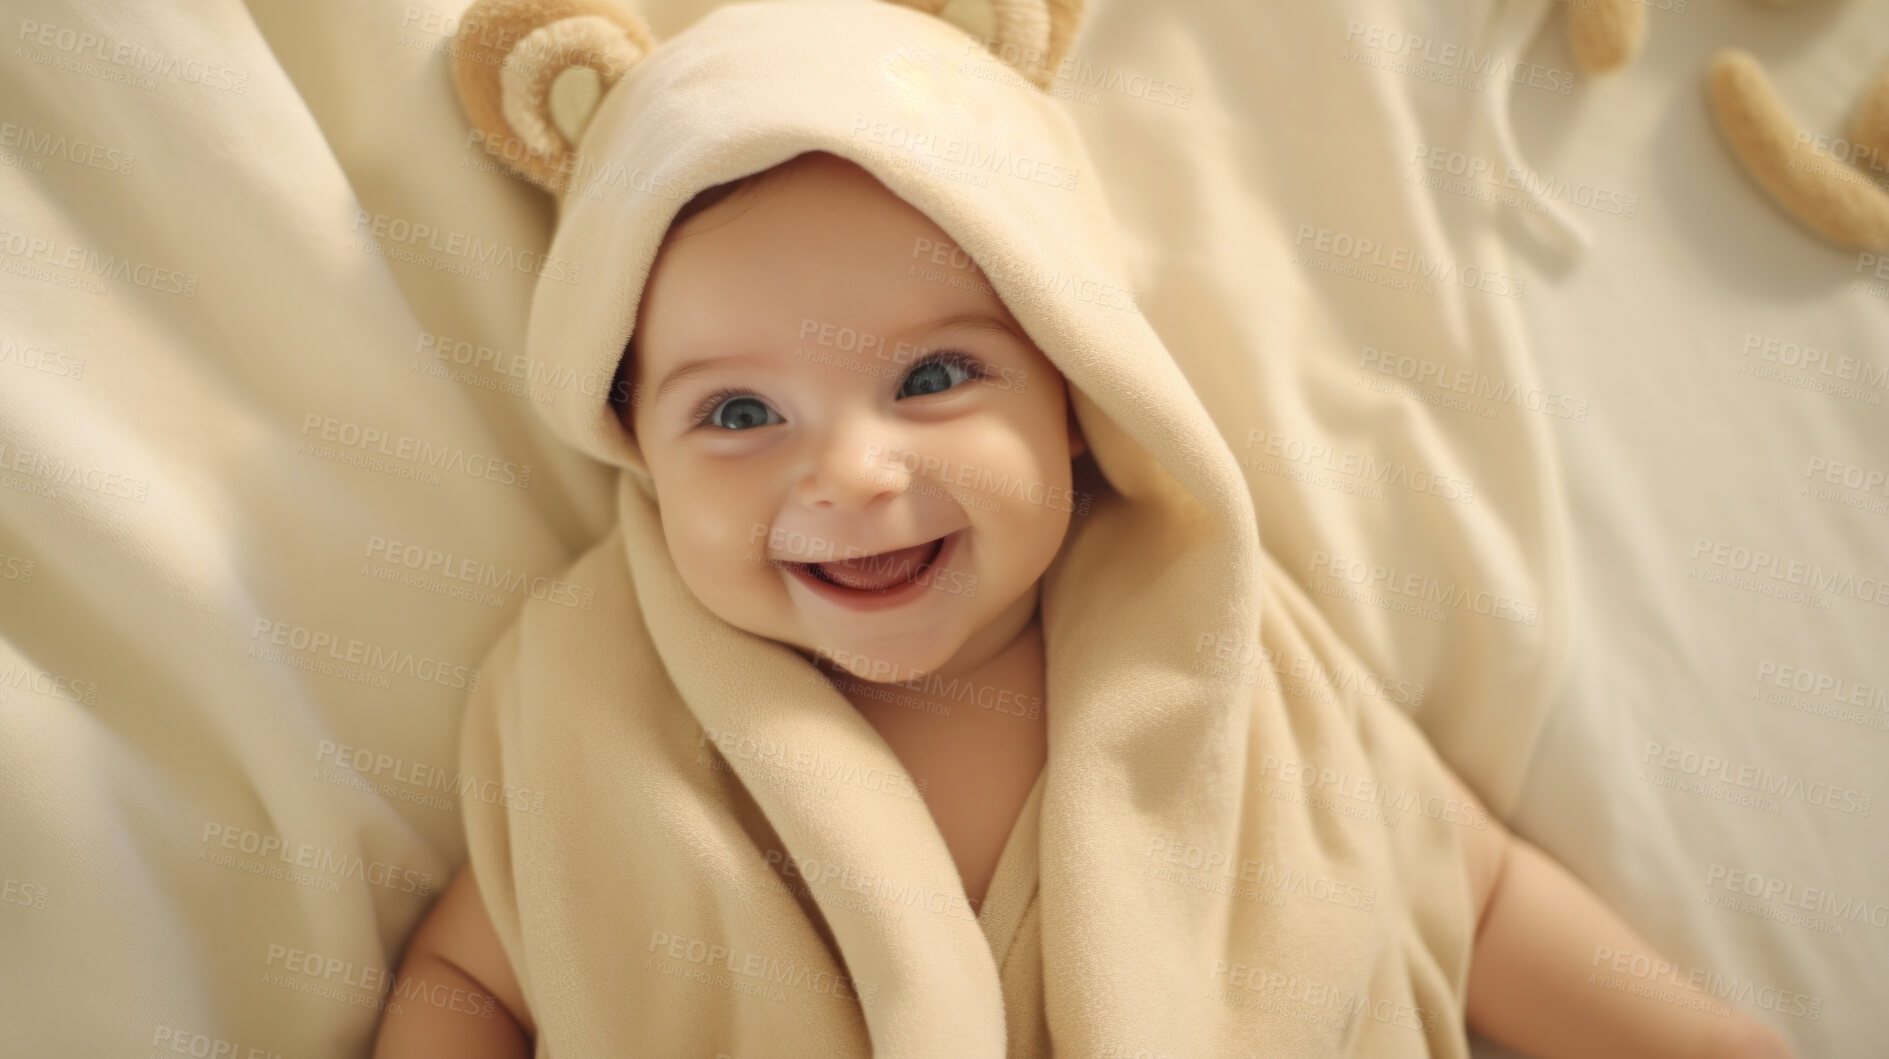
point(918, 581)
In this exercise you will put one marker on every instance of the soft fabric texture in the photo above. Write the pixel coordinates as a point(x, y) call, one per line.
point(1260, 121)
point(1214, 861)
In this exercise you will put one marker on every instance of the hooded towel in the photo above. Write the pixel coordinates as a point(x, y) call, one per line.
point(1226, 853)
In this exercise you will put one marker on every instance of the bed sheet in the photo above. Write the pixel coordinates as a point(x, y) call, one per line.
point(273, 478)
point(1714, 765)
point(271, 484)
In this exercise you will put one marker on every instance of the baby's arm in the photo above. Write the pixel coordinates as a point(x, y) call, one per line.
point(1537, 934)
point(462, 999)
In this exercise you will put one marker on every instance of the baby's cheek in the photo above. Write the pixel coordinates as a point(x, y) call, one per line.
point(733, 588)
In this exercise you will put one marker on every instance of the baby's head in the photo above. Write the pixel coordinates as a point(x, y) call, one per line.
point(816, 375)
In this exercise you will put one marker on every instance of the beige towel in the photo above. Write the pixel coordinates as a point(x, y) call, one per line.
point(1230, 851)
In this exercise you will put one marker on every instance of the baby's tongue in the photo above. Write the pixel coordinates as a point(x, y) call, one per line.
point(874, 572)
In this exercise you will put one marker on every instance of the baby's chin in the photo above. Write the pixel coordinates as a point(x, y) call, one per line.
point(838, 652)
point(863, 668)
point(867, 659)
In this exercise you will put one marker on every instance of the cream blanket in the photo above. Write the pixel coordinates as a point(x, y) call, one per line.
point(1217, 130)
point(729, 859)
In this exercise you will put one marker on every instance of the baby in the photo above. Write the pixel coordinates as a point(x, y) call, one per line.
point(768, 441)
point(869, 469)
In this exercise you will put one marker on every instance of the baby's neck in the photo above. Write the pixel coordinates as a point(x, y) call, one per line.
point(974, 744)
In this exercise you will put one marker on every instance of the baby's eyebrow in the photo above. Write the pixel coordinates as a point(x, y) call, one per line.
point(977, 321)
point(685, 372)
point(974, 320)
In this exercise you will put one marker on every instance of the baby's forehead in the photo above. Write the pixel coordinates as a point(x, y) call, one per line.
point(882, 291)
point(812, 253)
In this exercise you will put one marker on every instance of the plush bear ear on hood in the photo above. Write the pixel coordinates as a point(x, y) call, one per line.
point(530, 73)
point(1031, 36)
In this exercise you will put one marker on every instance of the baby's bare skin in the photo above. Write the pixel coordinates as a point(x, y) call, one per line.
point(1539, 937)
point(834, 236)
point(976, 765)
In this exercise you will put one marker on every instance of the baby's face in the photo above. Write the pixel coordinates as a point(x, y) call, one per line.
point(810, 387)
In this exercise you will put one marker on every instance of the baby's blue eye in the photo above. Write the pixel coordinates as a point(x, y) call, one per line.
point(934, 375)
point(743, 412)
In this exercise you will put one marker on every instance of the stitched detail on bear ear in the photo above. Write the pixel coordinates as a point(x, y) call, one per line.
point(536, 62)
point(574, 96)
point(509, 65)
point(1029, 36)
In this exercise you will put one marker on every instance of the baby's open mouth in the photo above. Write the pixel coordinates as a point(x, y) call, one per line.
point(877, 572)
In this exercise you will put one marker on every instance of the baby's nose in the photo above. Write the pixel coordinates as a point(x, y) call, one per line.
point(855, 465)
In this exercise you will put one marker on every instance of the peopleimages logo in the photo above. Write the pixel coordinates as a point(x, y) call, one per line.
point(1398, 266)
point(979, 480)
point(1746, 776)
point(419, 454)
point(49, 684)
point(1475, 174)
point(761, 968)
point(79, 259)
point(1820, 900)
point(1639, 974)
point(132, 57)
point(975, 157)
point(1449, 62)
point(1472, 384)
point(33, 142)
point(37, 358)
point(1823, 685)
point(1757, 562)
point(305, 855)
point(468, 248)
point(318, 644)
point(432, 561)
point(374, 765)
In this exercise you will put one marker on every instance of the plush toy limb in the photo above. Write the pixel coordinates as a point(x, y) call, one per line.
point(1606, 34)
point(1829, 197)
point(1870, 131)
